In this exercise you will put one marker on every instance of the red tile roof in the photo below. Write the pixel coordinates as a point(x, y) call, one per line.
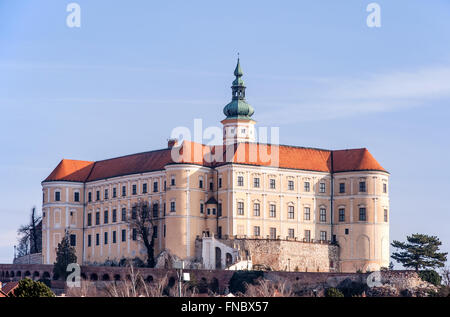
point(9, 287)
point(290, 157)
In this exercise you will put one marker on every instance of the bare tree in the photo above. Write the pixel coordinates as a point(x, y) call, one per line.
point(445, 273)
point(141, 222)
point(30, 235)
point(266, 288)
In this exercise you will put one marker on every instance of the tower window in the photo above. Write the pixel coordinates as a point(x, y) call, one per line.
point(385, 215)
point(342, 188)
point(256, 182)
point(384, 188)
point(362, 214)
point(240, 180)
point(172, 206)
point(346, 231)
point(57, 196)
point(362, 187)
point(76, 196)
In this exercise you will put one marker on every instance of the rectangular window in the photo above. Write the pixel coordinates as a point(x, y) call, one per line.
point(89, 220)
point(341, 188)
point(202, 208)
point(89, 196)
point(240, 208)
point(291, 185)
point(272, 183)
point(155, 210)
point(384, 188)
point(114, 237)
point(209, 211)
point(114, 192)
point(133, 212)
point(106, 194)
point(323, 215)
point(155, 187)
point(362, 187)
point(105, 216)
point(134, 189)
point(134, 235)
point(200, 183)
point(97, 218)
point(219, 210)
point(220, 182)
point(256, 182)
point(105, 241)
point(385, 215)
point(124, 235)
point(307, 186)
point(307, 235)
point(144, 188)
point(346, 231)
point(362, 214)
point(155, 232)
point(76, 196)
point(256, 209)
point(291, 214)
point(323, 236)
point(57, 196)
point(97, 197)
point(272, 210)
point(73, 240)
point(211, 186)
point(341, 214)
point(214, 211)
point(322, 188)
point(172, 206)
point(291, 233)
point(307, 213)
point(256, 231)
point(89, 240)
point(273, 233)
point(240, 180)
point(124, 191)
point(114, 215)
point(165, 231)
point(97, 239)
point(172, 181)
point(124, 214)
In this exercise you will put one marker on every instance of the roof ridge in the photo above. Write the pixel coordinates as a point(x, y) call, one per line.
point(122, 156)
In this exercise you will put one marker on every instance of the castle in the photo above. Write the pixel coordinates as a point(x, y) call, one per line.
point(305, 199)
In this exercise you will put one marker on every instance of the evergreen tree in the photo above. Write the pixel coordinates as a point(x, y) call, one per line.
point(420, 252)
point(30, 288)
point(65, 255)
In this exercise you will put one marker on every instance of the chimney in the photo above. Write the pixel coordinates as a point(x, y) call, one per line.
point(171, 143)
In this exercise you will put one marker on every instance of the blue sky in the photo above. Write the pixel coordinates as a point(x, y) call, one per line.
point(137, 69)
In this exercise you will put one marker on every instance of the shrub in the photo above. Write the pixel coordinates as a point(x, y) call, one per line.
point(430, 276)
point(333, 292)
point(30, 288)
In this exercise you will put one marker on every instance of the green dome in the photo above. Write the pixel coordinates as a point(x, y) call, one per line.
point(238, 108)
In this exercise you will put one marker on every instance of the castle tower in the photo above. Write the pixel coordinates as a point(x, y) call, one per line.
point(238, 125)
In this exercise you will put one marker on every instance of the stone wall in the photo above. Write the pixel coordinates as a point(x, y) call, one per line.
point(288, 255)
point(35, 258)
